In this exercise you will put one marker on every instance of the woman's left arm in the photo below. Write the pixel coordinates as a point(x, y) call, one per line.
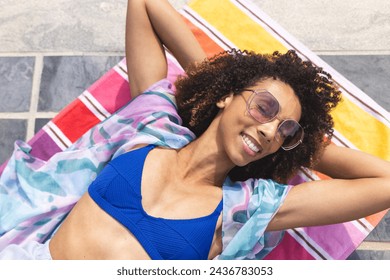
point(361, 187)
point(344, 163)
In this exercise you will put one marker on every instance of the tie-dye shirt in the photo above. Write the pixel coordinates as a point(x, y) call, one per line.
point(36, 195)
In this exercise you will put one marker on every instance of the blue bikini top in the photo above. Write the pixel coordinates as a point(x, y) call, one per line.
point(117, 190)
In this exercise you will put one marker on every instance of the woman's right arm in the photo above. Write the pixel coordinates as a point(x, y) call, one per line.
point(151, 25)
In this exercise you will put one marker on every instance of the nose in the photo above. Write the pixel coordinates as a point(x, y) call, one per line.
point(268, 131)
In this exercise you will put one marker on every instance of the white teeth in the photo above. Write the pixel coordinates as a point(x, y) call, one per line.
point(250, 144)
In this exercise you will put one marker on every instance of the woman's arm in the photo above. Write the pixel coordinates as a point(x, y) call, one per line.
point(361, 187)
point(151, 25)
point(344, 163)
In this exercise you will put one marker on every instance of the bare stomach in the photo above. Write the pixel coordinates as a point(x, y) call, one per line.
point(90, 233)
point(101, 237)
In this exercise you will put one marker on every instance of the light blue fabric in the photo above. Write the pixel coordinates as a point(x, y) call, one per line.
point(248, 208)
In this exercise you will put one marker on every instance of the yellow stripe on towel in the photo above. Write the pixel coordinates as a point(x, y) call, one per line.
point(233, 23)
point(362, 129)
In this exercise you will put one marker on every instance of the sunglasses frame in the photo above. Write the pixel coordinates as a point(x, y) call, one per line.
point(248, 108)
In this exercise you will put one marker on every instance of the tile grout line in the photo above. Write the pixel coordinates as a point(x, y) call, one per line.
point(351, 52)
point(25, 115)
point(374, 246)
point(122, 53)
point(34, 96)
point(53, 53)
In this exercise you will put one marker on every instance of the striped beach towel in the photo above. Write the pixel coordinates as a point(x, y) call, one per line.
point(251, 30)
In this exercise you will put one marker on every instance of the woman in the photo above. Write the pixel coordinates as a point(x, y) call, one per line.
point(253, 116)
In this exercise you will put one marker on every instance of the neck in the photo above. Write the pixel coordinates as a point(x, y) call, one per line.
point(204, 160)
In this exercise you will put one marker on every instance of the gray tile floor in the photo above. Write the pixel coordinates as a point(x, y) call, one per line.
point(16, 83)
point(51, 51)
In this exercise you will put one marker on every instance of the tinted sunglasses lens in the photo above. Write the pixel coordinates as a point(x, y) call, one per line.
point(263, 106)
point(291, 133)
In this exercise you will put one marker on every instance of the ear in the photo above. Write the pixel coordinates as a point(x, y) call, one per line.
point(225, 101)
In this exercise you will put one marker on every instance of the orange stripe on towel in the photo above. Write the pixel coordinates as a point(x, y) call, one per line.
point(208, 45)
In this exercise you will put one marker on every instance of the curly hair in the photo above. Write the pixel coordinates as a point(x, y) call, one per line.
point(232, 71)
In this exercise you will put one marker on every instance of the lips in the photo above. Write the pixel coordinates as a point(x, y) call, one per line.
point(251, 143)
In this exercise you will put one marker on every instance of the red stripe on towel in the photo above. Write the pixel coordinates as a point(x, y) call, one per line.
point(75, 120)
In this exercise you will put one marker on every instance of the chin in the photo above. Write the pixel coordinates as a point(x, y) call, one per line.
point(242, 164)
point(243, 161)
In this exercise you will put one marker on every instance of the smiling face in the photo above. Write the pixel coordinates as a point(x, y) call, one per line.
point(245, 139)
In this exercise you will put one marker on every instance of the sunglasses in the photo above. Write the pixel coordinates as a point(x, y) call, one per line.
point(264, 107)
